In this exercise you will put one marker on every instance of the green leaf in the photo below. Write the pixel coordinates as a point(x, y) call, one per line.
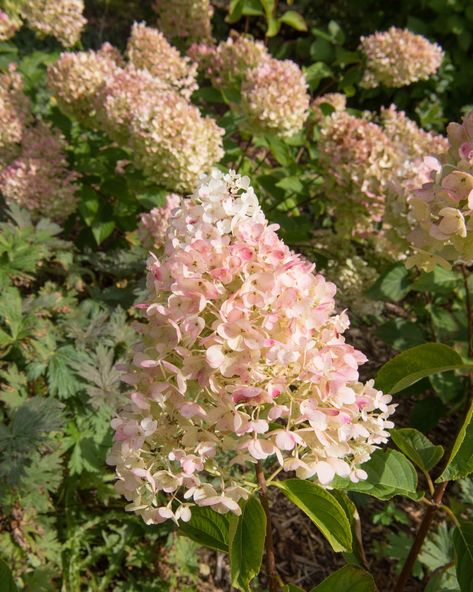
point(322, 508)
point(347, 579)
point(102, 230)
point(294, 20)
point(7, 584)
point(279, 149)
point(207, 528)
point(417, 447)
point(400, 333)
point(252, 8)
point(274, 25)
point(415, 363)
point(393, 285)
point(439, 281)
point(246, 543)
point(317, 72)
point(460, 463)
point(390, 473)
point(463, 542)
point(291, 588)
point(235, 11)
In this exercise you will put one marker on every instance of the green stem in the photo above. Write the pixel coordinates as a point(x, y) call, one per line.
point(271, 572)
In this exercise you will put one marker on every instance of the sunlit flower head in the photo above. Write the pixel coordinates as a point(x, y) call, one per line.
point(397, 57)
point(186, 19)
point(241, 358)
point(275, 97)
point(149, 49)
point(62, 19)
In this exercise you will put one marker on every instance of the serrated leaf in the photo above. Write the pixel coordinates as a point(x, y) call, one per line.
point(294, 20)
point(62, 381)
point(322, 508)
point(417, 447)
point(463, 543)
point(390, 473)
point(246, 543)
point(207, 528)
point(460, 463)
point(348, 579)
point(415, 363)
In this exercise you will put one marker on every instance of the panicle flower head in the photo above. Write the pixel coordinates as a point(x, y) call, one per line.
point(8, 26)
point(77, 79)
point(187, 19)
point(275, 97)
point(442, 210)
point(173, 143)
point(153, 225)
point(39, 179)
point(410, 139)
point(241, 358)
point(15, 112)
point(397, 57)
point(121, 96)
point(63, 19)
point(148, 49)
point(357, 157)
point(228, 63)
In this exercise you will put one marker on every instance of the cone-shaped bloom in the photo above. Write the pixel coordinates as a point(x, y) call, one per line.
point(241, 358)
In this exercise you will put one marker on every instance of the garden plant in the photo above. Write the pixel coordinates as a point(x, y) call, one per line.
point(236, 296)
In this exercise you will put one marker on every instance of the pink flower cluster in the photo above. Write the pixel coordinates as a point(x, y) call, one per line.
point(63, 19)
point(274, 95)
point(241, 359)
point(148, 49)
point(275, 98)
point(39, 179)
point(397, 57)
point(357, 157)
point(8, 26)
point(441, 212)
point(411, 143)
point(228, 63)
point(153, 225)
point(372, 165)
point(142, 105)
point(186, 19)
point(15, 112)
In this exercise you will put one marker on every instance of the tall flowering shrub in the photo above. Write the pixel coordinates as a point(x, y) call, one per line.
point(241, 358)
point(397, 57)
